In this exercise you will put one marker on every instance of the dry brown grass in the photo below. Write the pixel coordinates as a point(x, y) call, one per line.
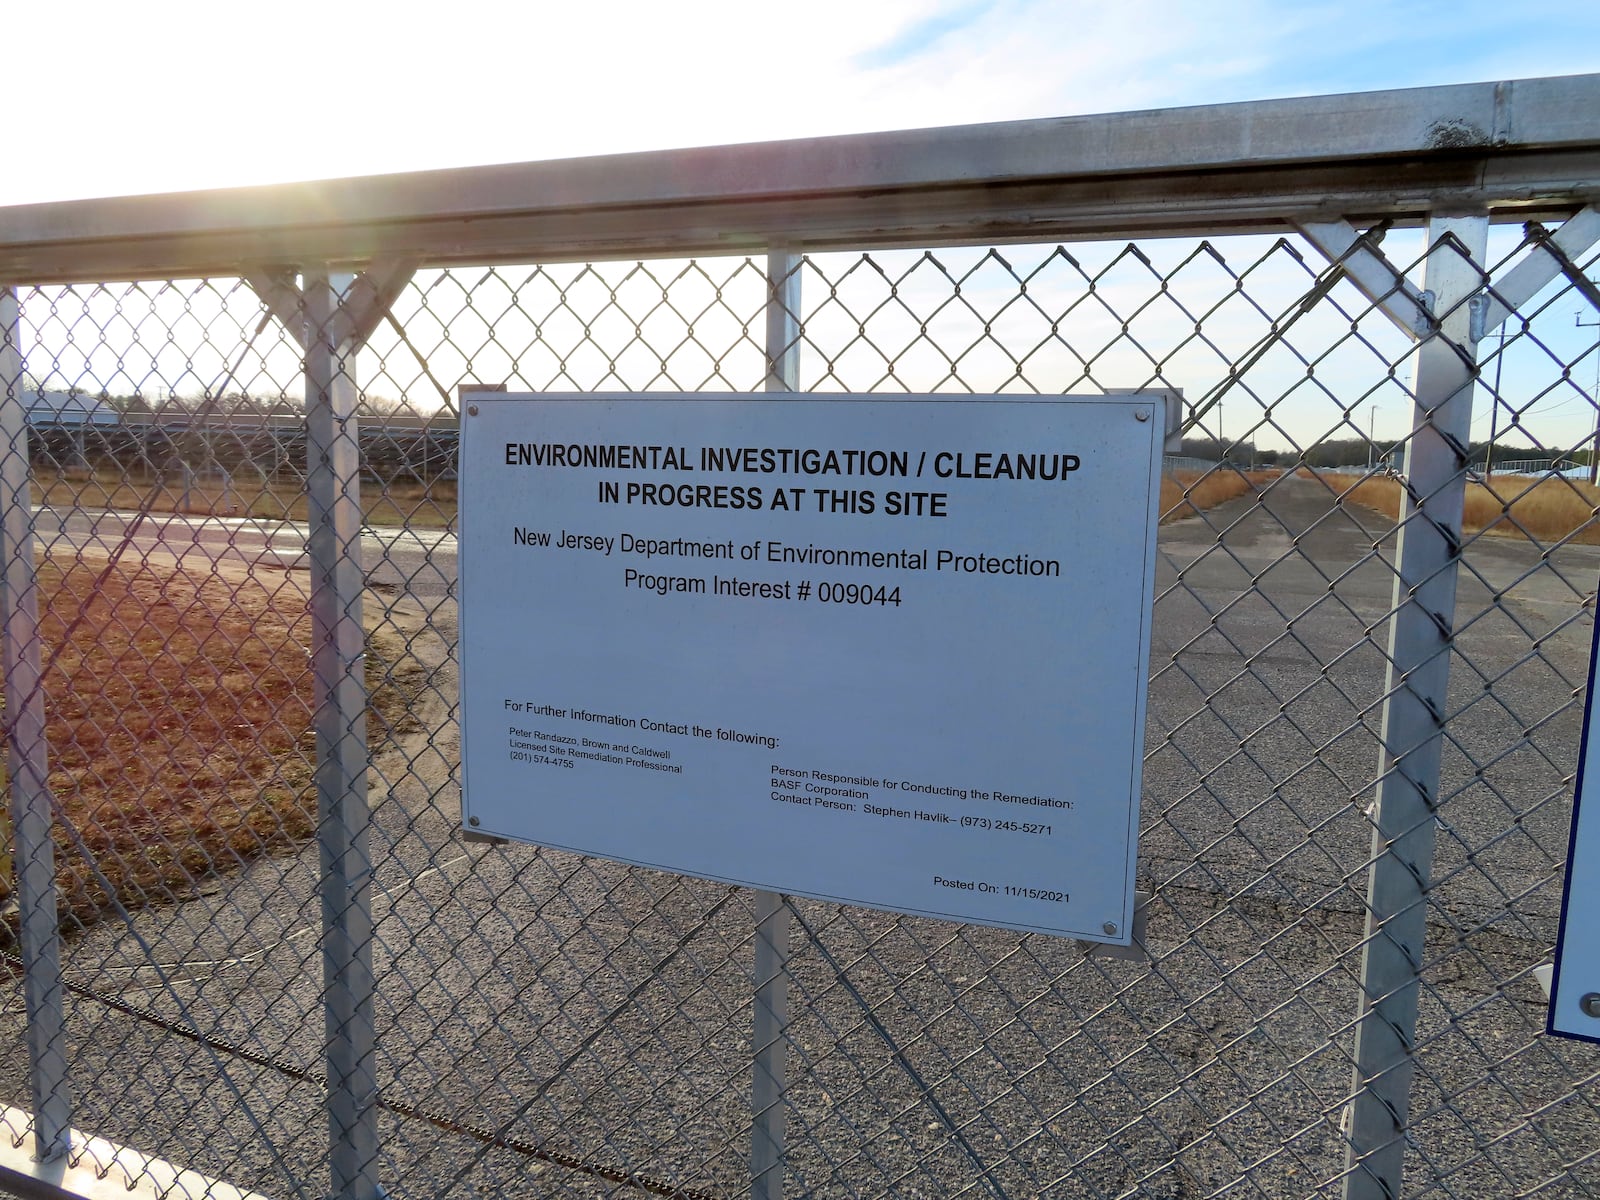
point(178, 715)
point(1186, 493)
point(1379, 492)
point(1549, 510)
point(423, 507)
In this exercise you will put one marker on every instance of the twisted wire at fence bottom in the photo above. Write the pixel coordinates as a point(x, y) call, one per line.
point(401, 1108)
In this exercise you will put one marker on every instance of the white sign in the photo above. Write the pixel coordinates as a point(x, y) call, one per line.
point(887, 652)
point(1575, 984)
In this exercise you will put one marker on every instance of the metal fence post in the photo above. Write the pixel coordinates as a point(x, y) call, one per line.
point(337, 584)
point(1421, 635)
point(771, 1016)
point(28, 756)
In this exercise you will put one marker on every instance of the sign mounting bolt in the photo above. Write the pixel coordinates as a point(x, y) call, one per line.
point(1110, 928)
point(472, 820)
point(1141, 414)
point(1590, 1003)
point(472, 410)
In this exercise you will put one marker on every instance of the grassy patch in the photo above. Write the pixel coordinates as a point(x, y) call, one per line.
point(1549, 510)
point(420, 506)
point(1187, 493)
point(178, 712)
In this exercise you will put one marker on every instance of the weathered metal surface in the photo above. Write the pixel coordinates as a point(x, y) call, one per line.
point(1517, 148)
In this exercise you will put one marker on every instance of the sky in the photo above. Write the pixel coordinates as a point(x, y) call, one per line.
point(118, 97)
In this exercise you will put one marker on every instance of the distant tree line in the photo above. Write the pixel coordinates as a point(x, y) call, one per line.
point(1358, 452)
point(228, 403)
point(1330, 452)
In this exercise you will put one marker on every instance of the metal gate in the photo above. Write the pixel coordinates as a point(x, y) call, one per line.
point(245, 940)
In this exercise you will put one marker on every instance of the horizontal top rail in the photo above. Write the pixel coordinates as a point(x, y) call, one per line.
point(1514, 149)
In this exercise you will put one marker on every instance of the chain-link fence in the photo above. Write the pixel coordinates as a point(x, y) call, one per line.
point(246, 936)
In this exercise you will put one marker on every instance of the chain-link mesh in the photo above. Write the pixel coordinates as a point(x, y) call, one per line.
point(547, 1024)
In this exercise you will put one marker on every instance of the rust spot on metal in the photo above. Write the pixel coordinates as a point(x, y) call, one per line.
point(1455, 135)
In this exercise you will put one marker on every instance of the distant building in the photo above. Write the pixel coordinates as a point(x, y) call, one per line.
point(68, 409)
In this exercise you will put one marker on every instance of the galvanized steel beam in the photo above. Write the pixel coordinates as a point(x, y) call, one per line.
point(371, 295)
point(1371, 273)
point(278, 292)
point(1514, 149)
point(338, 584)
point(770, 1024)
point(1421, 637)
point(361, 309)
point(1550, 258)
point(28, 760)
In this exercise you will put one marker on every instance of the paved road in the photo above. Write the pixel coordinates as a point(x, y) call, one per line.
point(503, 969)
point(419, 561)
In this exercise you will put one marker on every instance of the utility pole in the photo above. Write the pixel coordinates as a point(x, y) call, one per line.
point(1494, 405)
point(1594, 398)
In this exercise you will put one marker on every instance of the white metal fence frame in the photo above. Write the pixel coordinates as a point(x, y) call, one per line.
point(329, 260)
